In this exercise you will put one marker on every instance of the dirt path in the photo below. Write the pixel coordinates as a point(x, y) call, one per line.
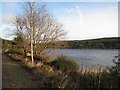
point(15, 76)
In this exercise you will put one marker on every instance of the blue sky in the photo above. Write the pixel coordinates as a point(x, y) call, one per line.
point(82, 20)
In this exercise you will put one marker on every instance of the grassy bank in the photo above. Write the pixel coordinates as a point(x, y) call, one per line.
point(63, 72)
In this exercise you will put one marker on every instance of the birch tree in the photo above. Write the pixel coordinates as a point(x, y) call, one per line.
point(38, 28)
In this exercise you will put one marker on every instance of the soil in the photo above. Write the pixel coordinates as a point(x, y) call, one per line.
point(14, 75)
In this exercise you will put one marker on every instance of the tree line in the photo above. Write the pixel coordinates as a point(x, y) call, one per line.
point(103, 43)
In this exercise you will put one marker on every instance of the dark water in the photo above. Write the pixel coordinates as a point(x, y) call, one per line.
point(89, 58)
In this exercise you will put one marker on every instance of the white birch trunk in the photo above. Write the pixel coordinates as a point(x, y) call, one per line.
point(32, 35)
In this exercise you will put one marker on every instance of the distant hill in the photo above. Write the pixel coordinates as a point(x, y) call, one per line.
point(5, 43)
point(101, 43)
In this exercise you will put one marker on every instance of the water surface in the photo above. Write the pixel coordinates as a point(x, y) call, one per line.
point(91, 58)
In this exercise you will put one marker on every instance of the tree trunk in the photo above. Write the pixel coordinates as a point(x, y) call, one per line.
point(32, 28)
point(32, 50)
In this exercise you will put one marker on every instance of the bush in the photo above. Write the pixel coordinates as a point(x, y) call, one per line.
point(77, 80)
point(108, 81)
point(115, 70)
point(44, 59)
point(64, 64)
point(53, 80)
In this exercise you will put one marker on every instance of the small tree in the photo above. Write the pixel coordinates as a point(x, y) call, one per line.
point(38, 28)
point(116, 68)
point(20, 44)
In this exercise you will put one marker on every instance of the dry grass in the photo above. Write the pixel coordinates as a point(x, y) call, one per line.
point(49, 76)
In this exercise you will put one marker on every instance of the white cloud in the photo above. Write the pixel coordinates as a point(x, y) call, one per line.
point(7, 32)
point(103, 23)
point(7, 29)
point(78, 11)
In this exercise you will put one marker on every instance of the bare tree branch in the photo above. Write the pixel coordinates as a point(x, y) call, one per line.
point(38, 28)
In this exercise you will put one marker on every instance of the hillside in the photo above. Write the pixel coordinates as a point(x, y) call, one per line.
point(102, 43)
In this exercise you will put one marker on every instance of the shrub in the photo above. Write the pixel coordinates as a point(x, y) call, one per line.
point(115, 70)
point(108, 81)
point(76, 80)
point(64, 64)
point(51, 80)
point(44, 59)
